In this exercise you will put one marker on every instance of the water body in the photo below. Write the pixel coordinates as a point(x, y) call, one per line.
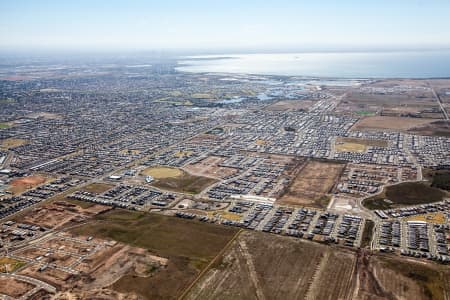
point(424, 64)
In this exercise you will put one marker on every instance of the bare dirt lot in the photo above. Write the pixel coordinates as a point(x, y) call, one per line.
point(291, 105)
point(60, 213)
point(209, 167)
point(13, 287)
point(20, 185)
point(261, 266)
point(97, 188)
point(357, 145)
point(393, 123)
point(438, 128)
point(312, 184)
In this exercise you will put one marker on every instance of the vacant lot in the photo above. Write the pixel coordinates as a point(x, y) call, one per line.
point(188, 245)
point(11, 143)
point(20, 185)
point(260, 266)
point(357, 145)
point(394, 123)
point(162, 172)
point(180, 181)
point(291, 105)
point(13, 287)
point(438, 128)
point(97, 188)
point(312, 184)
point(407, 193)
point(209, 167)
point(263, 266)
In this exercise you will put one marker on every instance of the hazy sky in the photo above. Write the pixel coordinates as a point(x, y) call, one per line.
point(210, 24)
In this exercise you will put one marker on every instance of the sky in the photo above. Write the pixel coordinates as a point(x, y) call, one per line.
point(228, 24)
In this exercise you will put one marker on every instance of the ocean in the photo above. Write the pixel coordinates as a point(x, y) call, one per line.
point(408, 64)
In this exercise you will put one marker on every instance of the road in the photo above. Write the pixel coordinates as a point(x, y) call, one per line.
point(438, 99)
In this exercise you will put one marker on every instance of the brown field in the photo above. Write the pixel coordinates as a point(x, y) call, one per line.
point(55, 277)
point(162, 172)
point(12, 143)
point(312, 184)
point(437, 128)
point(178, 180)
point(400, 98)
point(209, 167)
point(290, 105)
point(13, 287)
point(20, 185)
point(394, 123)
point(263, 266)
point(187, 245)
point(357, 145)
point(97, 188)
point(59, 213)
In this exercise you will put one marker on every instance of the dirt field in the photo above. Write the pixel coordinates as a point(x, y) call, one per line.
point(357, 145)
point(290, 105)
point(209, 167)
point(262, 266)
point(177, 180)
point(312, 184)
point(436, 218)
point(188, 245)
point(97, 188)
point(11, 143)
point(60, 213)
point(13, 287)
point(394, 123)
point(438, 128)
point(20, 185)
point(162, 172)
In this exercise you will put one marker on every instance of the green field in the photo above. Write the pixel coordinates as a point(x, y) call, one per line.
point(407, 193)
point(4, 125)
point(365, 113)
point(188, 244)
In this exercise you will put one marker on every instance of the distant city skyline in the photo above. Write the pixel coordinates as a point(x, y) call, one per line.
point(213, 25)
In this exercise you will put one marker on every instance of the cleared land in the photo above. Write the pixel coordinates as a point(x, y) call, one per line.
point(97, 188)
point(177, 180)
point(162, 172)
point(312, 184)
point(11, 143)
point(188, 246)
point(394, 123)
point(290, 105)
point(262, 266)
point(20, 185)
point(357, 145)
point(13, 287)
point(438, 128)
point(407, 193)
point(209, 167)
